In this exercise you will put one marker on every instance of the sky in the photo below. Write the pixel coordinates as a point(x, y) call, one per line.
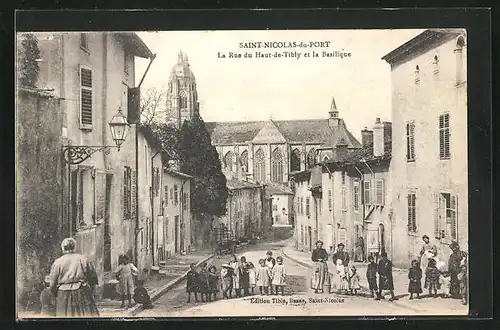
point(243, 89)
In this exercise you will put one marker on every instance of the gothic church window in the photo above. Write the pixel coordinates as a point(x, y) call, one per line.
point(244, 161)
point(311, 158)
point(228, 160)
point(295, 160)
point(260, 166)
point(277, 166)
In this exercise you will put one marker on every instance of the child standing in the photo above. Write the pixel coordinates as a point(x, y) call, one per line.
point(385, 277)
point(203, 285)
point(432, 278)
point(125, 274)
point(279, 276)
point(353, 280)
point(462, 277)
point(47, 300)
point(192, 283)
point(244, 277)
point(371, 276)
point(270, 262)
point(263, 277)
point(415, 277)
point(213, 282)
point(141, 295)
point(251, 277)
point(226, 275)
point(342, 285)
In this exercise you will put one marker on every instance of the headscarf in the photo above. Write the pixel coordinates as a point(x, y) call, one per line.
point(68, 245)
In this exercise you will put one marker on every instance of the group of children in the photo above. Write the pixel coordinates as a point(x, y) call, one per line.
point(345, 279)
point(240, 277)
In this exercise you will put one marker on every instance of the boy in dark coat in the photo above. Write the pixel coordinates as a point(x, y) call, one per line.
point(385, 277)
point(192, 281)
point(371, 276)
point(203, 285)
point(415, 277)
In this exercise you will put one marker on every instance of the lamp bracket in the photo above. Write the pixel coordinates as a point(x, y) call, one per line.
point(78, 154)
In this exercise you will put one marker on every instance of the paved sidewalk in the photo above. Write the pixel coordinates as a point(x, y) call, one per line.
point(173, 272)
point(400, 276)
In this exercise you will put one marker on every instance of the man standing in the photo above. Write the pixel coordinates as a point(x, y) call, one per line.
point(341, 254)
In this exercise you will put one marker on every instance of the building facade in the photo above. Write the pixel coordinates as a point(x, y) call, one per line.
point(91, 74)
point(429, 161)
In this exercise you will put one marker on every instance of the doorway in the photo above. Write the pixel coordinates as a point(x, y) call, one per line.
point(176, 234)
point(107, 228)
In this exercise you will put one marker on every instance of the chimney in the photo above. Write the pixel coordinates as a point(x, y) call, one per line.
point(366, 137)
point(378, 138)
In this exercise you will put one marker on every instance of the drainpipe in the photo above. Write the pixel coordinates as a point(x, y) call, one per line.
point(333, 209)
point(153, 219)
point(181, 213)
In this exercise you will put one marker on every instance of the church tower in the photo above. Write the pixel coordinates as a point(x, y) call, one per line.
point(333, 115)
point(182, 96)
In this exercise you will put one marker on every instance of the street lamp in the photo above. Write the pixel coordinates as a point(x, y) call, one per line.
point(78, 154)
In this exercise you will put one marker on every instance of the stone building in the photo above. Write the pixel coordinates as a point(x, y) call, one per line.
point(182, 95)
point(91, 74)
point(345, 197)
point(268, 151)
point(429, 159)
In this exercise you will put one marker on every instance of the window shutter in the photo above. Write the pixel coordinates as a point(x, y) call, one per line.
point(133, 194)
point(380, 192)
point(99, 196)
point(437, 215)
point(74, 201)
point(81, 221)
point(86, 97)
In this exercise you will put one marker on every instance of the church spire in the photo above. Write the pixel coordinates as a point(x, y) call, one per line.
point(180, 57)
point(333, 115)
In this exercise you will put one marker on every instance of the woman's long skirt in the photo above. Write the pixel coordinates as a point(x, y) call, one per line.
point(320, 276)
point(76, 303)
point(359, 254)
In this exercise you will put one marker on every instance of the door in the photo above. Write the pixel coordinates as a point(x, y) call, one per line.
point(176, 233)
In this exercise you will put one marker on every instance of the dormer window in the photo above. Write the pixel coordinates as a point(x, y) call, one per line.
point(417, 75)
point(435, 64)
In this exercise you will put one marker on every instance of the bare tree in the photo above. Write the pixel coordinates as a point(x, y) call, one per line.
point(153, 105)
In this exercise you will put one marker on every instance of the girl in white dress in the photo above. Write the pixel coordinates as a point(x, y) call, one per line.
point(279, 276)
point(342, 284)
point(252, 276)
point(263, 277)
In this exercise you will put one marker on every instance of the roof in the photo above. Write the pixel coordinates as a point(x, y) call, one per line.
point(150, 136)
point(240, 184)
point(274, 189)
point(342, 136)
point(308, 130)
point(421, 40)
point(177, 174)
point(134, 44)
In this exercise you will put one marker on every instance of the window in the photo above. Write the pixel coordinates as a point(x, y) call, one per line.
point(435, 64)
point(311, 158)
point(86, 102)
point(444, 136)
point(330, 199)
point(343, 177)
point(410, 141)
point(176, 196)
point(156, 181)
point(412, 212)
point(356, 196)
point(83, 202)
point(166, 195)
point(184, 201)
point(277, 166)
point(417, 75)
point(379, 192)
point(275, 207)
point(460, 76)
point(99, 196)
point(129, 193)
point(277, 218)
point(125, 62)
point(295, 160)
point(367, 193)
point(183, 102)
point(228, 160)
point(84, 42)
point(344, 199)
point(308, 211)
point(260, 166)
point(446, 225)
point(244, 161)
point(172, 195)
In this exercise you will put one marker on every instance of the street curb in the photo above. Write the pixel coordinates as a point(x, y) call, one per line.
point(361, 286)
point(164, 289)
